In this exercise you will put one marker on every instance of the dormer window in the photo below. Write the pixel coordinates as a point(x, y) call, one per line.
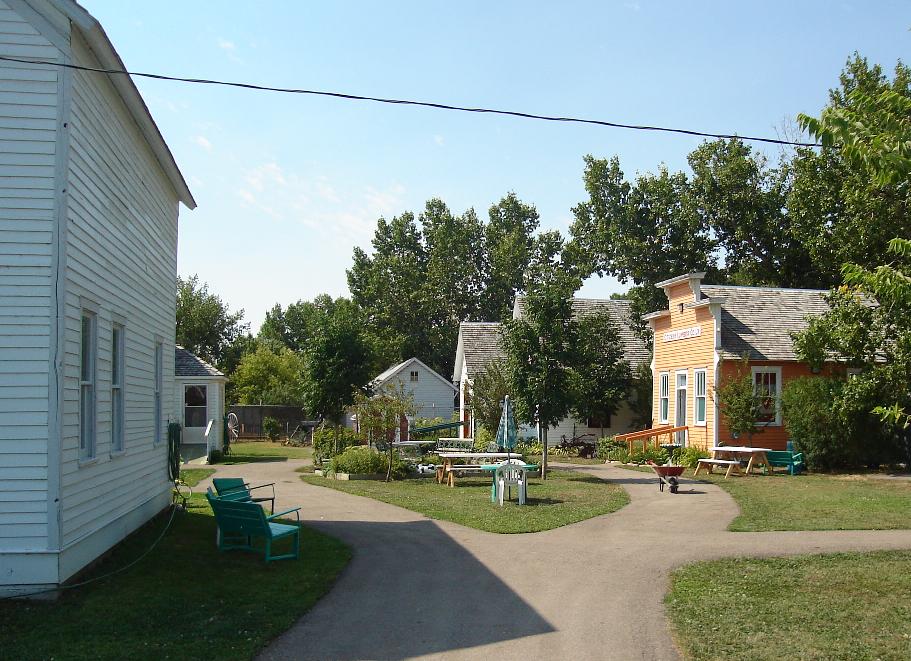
point(680, 307)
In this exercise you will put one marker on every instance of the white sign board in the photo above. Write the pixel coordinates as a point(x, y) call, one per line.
point(683, 333)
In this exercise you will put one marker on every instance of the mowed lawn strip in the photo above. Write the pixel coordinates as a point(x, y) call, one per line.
point(840, 606)
point(245, 452)
point(193, 476)
point(185, 600)
point(815, 501)
point(563, 498)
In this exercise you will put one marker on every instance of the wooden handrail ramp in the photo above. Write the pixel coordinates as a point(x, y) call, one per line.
point(646, 434)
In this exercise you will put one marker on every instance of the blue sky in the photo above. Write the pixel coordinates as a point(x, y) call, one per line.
point(287, 185)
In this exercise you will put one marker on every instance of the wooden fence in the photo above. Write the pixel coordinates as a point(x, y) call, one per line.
point(251, 416)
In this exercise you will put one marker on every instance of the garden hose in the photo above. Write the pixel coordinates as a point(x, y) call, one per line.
point(174, 451)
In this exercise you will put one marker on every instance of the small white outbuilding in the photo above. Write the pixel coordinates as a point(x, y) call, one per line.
point(199, 401)
point(434, 395)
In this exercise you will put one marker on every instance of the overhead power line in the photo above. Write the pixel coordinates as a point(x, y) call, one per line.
point(422, 104)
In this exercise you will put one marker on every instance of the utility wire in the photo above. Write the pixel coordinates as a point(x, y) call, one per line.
point(423, 104)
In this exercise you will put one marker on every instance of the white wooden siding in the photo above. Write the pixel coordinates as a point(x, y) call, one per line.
point(28, 133)
point(432, 397)
point(620, 423)
point(121, 247)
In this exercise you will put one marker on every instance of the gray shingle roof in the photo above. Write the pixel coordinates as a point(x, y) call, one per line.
point(189, 364)
point(635, 351)
point(481, 344)
point(760, 320)
point(480, 340)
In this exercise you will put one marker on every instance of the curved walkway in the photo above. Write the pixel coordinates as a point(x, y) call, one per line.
point(419, 588)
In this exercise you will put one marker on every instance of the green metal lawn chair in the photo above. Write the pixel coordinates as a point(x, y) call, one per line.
point(240, 523)
point(236, 488)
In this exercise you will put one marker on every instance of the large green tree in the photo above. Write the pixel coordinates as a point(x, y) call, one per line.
point(336, 358)
point(539, 346)
point(426, 274)
point(601, 375)
point(508, 245)
point(270, 376)
point(206, 325)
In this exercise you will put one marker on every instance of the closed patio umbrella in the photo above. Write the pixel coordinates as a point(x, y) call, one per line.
point(507, 431)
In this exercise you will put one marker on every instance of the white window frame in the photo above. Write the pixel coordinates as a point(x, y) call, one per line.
point(777, 372)
point(88, 398)
point(204, 408)
point(157, 388)
point(664, 383)
point(704, 397)
point(414, 376)
point(118, 358)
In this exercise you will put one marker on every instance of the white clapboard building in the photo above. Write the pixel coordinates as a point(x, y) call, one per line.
point(89, 197)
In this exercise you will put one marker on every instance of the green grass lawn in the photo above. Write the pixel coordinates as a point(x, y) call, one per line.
point(193, 476)
point(562, 499)
point(185, 600)
point(246, 452)
point(815, 501)
point(853, 606)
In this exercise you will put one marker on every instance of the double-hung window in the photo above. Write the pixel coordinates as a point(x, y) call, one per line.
point(87, 404)
point(159, 369)
point(194, 401)
point(117, 371)
point(663, 396)
point(767, 390)
point(414, 376)
point(699, 396)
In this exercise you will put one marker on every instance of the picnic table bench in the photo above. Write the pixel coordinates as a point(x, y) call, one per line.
point(446, 472)
point(709, 465)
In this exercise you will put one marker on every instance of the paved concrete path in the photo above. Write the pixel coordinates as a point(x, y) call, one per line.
point(418, 588)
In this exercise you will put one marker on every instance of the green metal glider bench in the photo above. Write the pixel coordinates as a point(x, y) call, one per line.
point(793, 461)
point(235, 488)
point(239, 523)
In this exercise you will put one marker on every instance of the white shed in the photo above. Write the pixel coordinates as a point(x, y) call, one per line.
point(199, 401)
point(434, 395)
point(89, 198)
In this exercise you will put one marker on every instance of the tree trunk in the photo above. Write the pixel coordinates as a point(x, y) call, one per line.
point(389, 464)
point(543, 452)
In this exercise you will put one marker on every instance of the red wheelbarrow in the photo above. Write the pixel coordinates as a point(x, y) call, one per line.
point(667, 475)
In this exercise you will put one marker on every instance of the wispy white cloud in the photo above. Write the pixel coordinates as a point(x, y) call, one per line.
point(203, 142)
point(335, 209)
point(230, 49)
point(635, 6)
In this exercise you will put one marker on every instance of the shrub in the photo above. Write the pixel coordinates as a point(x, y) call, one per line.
point(272, 428)
point(529, 446)
point(608, 445)
point(482, 439)
point(658, 456)
point(358, 461)
point(327, 445)
point(810, 407)
point(690, 456)
point(362, 460)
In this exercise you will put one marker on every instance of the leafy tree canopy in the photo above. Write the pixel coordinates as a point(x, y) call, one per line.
point(270, 376)
point(205, 324)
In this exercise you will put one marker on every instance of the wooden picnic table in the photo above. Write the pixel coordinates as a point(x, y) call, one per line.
point(445, 472)
point(756, 455)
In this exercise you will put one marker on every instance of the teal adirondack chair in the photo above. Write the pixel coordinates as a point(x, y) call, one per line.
point(240, 523)
point(236, 488)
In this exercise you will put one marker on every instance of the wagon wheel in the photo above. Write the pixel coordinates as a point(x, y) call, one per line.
point(233, 431)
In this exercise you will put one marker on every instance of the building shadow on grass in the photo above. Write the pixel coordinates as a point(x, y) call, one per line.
point(410, 590)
